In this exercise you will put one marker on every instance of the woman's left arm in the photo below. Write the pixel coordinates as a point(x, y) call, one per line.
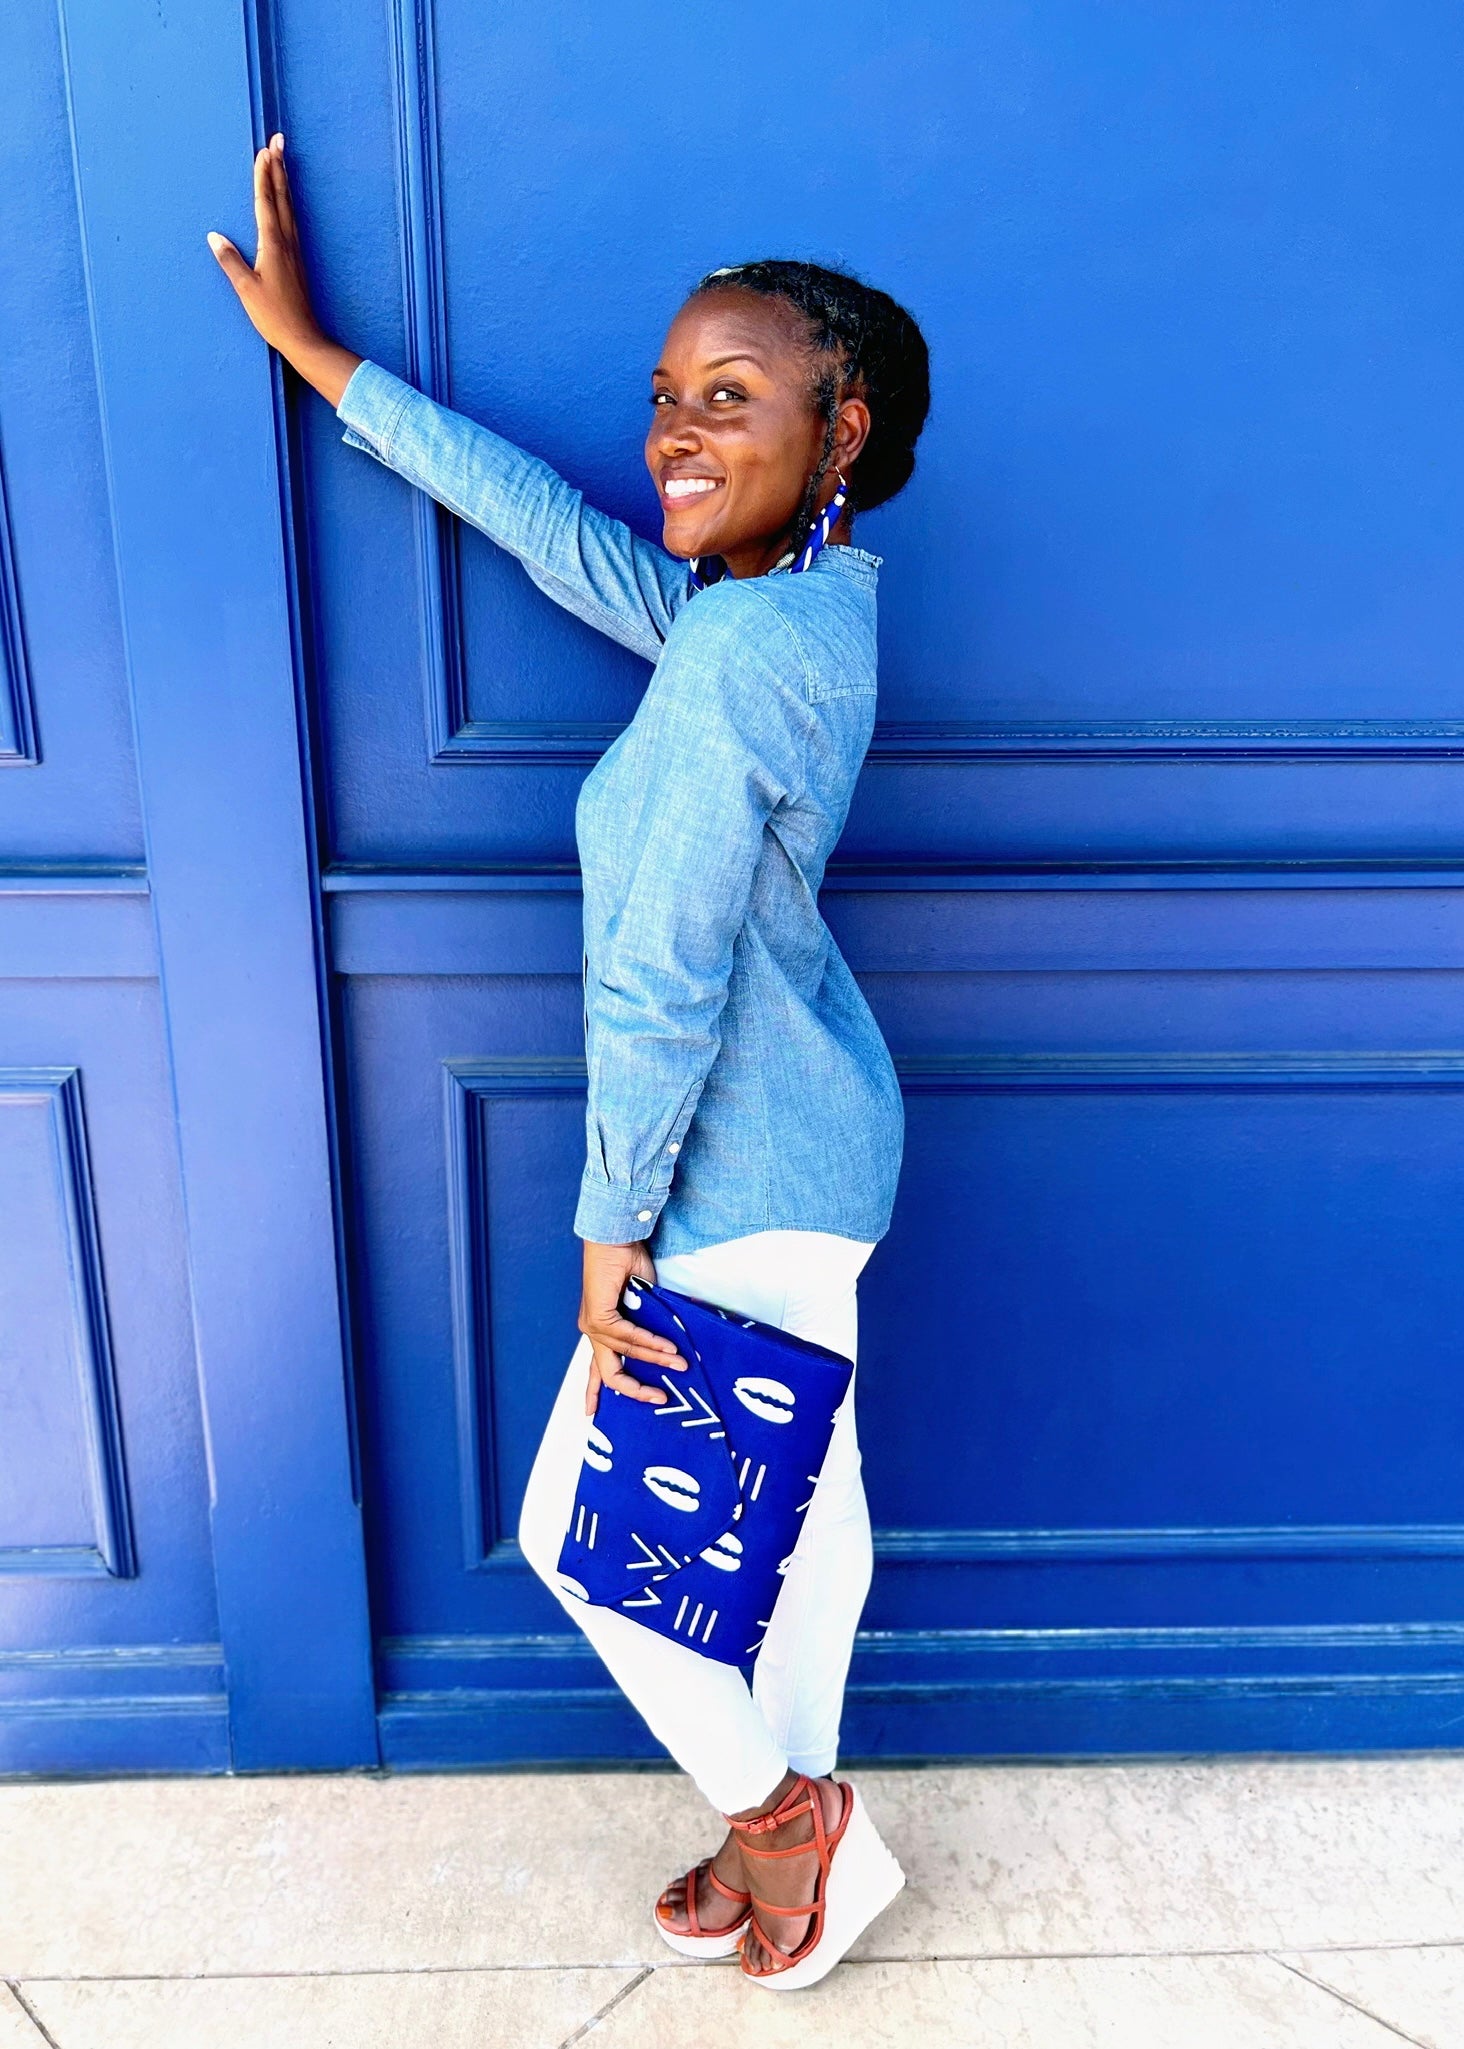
point(586, 561)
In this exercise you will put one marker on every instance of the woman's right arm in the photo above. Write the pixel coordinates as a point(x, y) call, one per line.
point(586, 561)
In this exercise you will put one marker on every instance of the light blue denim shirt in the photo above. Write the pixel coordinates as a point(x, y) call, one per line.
point(738, 1081)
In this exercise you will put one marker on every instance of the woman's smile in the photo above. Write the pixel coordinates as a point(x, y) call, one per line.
point(676, 489)
point(693, 503)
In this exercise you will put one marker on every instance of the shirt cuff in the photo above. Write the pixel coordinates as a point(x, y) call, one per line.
point(616, 1216)
point(371, 405)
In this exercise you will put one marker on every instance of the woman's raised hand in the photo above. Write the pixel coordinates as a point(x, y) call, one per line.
point(613, 1337)
point(274, 290)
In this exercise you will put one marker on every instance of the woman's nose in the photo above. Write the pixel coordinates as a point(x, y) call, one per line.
point(675, 433)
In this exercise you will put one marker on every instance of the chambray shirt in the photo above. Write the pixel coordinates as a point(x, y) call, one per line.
point(738, 1081)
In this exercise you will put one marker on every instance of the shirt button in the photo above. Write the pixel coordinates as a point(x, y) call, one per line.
point(643, 1216)
point(674, 1147)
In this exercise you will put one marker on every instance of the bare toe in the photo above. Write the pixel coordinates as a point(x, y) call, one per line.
point(671, 1906)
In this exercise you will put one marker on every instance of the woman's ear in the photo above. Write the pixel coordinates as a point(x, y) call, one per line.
point(851, 431)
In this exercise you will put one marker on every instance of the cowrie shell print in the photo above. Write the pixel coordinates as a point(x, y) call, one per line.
point(598, 1449)
point(766, 1398)
point(725, 1553)
point(675, 1488)
point(572, 1586)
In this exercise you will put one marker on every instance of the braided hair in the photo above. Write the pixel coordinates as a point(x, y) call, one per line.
point(865, 344)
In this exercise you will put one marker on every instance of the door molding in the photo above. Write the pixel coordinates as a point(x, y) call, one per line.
point(19, 746)
point(193, 426)
point(111, 1554)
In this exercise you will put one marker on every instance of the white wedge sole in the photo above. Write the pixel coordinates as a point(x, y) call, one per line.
point(863, 1879)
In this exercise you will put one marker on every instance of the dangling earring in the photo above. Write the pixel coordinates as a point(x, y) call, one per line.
point(695, 581)
point(825, 523)
point(822, 526)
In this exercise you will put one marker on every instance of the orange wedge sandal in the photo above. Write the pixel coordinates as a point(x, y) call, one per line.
point(857, 1879)
point(703, 1942)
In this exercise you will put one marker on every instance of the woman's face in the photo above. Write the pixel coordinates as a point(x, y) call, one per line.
point(734, 435)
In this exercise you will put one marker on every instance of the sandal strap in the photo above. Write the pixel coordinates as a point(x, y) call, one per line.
point(694, 1926)
point(786, 1957)
point(800, 1795)
point(813, 1908)
point(728, 1892)
point(825, 1843)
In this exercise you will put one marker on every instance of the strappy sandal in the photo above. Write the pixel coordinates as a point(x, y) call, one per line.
point(697, 1941)
point(857, 1878)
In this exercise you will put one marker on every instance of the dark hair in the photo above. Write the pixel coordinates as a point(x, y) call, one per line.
point(864, 342)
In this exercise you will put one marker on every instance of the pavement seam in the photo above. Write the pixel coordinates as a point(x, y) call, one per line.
point(911, 1956)
point(1332, 1992)
point(1326, 1949)
point(31, 2015)
point(595, 2019)
point(1071, 1956)
point(942, 1956)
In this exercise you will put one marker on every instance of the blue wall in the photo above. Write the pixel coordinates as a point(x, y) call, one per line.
point(1153, 875)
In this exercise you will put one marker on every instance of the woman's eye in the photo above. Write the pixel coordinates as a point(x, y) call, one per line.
point(722, 391)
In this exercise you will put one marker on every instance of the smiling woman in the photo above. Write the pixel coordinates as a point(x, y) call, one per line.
point(744, 1124)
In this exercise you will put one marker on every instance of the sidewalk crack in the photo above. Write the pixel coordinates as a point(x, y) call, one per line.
point(595, 2018)
point(1331, 1990)
point(31, 2015)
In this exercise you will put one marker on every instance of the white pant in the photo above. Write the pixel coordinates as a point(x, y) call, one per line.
point(737, 1744)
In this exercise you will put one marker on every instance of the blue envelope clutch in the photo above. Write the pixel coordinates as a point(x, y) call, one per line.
point(687, 1512)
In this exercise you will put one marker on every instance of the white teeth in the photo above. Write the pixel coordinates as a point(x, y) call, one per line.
point(688, 487)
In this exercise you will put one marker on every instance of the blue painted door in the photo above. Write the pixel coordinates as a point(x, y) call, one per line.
point(1152, 877)
point(1149, 877)
point(109, 1632)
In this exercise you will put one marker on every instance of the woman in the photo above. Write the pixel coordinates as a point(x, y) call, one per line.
point(743, 1118)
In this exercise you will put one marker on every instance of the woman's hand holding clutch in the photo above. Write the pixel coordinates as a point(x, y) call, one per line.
point(613, 1337)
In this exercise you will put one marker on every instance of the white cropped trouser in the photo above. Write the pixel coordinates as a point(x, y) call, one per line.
point(734, 1742)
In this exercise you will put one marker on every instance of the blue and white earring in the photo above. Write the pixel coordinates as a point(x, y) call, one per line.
point(825, 523)
point(818, 533)
point(695, 581)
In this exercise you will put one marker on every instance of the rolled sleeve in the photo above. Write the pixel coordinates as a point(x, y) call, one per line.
point(371, 404)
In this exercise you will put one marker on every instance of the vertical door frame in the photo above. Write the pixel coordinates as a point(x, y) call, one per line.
point(166, 108)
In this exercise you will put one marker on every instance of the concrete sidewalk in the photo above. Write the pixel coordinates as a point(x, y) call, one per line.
point(1255, 1903)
